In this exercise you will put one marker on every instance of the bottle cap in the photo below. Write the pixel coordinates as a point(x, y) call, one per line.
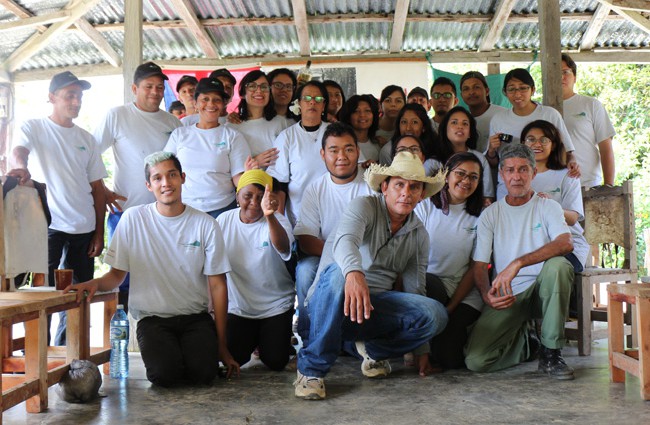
point(120, 307)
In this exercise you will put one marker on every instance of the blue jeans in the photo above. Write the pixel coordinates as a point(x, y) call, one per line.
point(305, 275)
point(399, 323)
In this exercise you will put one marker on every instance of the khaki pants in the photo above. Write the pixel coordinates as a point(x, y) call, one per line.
point(498, 340)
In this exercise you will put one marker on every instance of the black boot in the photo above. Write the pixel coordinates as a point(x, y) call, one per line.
point(552, 363)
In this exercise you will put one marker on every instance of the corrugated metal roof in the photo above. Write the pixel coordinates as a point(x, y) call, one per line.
point(322, 7)
point(349, 37)
point(477, 7)
point(430, 36)
point(210, 9)
point(622, 34)
point(70, 49)
point(255, 40)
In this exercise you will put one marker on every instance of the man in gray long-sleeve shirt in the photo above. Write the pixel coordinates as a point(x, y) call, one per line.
point(377, 239)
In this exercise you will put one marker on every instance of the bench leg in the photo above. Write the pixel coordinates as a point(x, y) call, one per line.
point(615, 332)
point(643, 328)
point(36, 360)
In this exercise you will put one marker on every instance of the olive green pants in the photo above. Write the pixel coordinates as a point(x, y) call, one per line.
point(499, 338)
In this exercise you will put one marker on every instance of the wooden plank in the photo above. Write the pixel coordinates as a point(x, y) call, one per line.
point(132, 44)
point(185, 10)
point(36, 360)
point(550, 54)
point(100, 43)
point(595, 25)
point(399, 23)
point(19, 393)
point(638, 5)
point(35, 21)
point(630, 14)
point(38, 41)
point(615, 332)
point(302, 29)
point(497, 24)
point(643, 334)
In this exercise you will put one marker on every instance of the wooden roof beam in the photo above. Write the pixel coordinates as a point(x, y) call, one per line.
point(623, 8)
point(36, 42)
point(185, 10)
point(498, 23)
point(637, 5)
point(399, 23)
point(595, 25)
point(300, 20)
point(35, 21)
point(100, 43)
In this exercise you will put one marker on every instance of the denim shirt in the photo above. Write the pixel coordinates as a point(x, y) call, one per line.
point(364, 243)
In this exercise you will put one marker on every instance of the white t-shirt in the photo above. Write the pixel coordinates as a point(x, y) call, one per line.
point(451, 243)
point(210, 159)
point(299, 163)
point(168, 258)
point(508, 122)
point(190, 120)
point(67, 160)
point(431, 166)
point(384, 153)
point(260, 133)
point(370, 150)
point(133, 134)
point(588, 123)
point(483, 126)
point(512, 231)
point(565, 191)
point(259, 284)
point(324, 202)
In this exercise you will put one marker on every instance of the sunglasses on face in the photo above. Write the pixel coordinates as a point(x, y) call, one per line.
point(446, 95)
point(317, 99)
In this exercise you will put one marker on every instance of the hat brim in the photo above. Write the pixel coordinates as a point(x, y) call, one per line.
point(152, 74)
point(376, 174)
point(221, 93)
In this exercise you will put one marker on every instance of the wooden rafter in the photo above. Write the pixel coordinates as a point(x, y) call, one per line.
point(399, 23)
point(35, 21)
point(595, 25)
point(186, 12)
point(99, 42)
point(635, 18)
point(498, 23)
point(300, 20)
point(36, 42)
point(638, 5)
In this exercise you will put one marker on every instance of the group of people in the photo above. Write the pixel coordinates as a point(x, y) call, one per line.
point(394, 234)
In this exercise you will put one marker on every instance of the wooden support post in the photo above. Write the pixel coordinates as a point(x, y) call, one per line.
point(551, 53)
point(36, 360)
point(494, 68)
point(643, 334)
point(132, 44)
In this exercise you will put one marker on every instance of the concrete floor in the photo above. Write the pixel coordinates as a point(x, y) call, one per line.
point(516, 396)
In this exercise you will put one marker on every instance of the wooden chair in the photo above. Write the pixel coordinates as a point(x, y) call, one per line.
point(609, 224)
point(635, 361)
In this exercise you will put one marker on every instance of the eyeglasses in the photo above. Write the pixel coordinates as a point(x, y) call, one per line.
point(520, 89)
point(252, 87)
point(566, 72)
point(279, 86)
point(530, 140)
point(412, 149)
point(463, 175)
point(317, 99)
point(446, 95)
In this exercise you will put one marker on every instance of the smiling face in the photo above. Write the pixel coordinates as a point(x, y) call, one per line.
point(361, 118)
point(462, 181)
point(165, 182)
point(311, 112)
point(519, 94)
point(149, 93)
point(186, 94)
point(411, 124)
point(517, 174)
point(250, 203)
point(341, 156)
point(401, 196)
point(209, 106)
point(393, 104)
point(535, 139)
point(458, 130)
point(258, 97)
point(474, 93)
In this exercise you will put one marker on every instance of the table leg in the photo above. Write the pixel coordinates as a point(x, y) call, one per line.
point(77, 334)
point(36, 360)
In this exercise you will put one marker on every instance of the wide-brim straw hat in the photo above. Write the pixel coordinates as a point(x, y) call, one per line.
point(409, 167)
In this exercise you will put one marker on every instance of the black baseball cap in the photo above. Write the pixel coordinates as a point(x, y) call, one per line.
point(223, 72)
point(65, 79)
point(210, 85)
point(186, 79)
point(418, 90)
point(146, 70)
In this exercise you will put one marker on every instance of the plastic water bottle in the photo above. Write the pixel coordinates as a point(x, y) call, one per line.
point(119, 344)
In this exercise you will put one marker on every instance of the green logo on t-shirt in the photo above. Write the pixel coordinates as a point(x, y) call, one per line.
point(537, 227)
point(195, 244)
point(471, 229)
point(581, 114)
point(556, 190)
point(220, 145)
point(81, 148)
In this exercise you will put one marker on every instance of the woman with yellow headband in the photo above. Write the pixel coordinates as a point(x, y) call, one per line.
point(260, 289)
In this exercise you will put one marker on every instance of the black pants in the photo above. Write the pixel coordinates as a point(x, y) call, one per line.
point(271, 335)
point(71, 252)
point(447, 346)
point(179, 350)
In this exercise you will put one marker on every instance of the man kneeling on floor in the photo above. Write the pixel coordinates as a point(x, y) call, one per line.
point(528, 236)
point(175, 255)
point(377, 239)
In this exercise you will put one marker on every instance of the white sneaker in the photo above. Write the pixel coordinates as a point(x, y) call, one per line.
point(309, 387)
point(370, 367)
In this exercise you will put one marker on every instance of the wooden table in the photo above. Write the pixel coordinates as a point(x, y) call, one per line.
point(42, 367)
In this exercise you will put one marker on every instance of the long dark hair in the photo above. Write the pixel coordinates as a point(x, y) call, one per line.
point(474, 203)
point(428, 136)
point(557, 158)
point(320, 86)
point(348, 108)
point(443, 139)
point(269, 109)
